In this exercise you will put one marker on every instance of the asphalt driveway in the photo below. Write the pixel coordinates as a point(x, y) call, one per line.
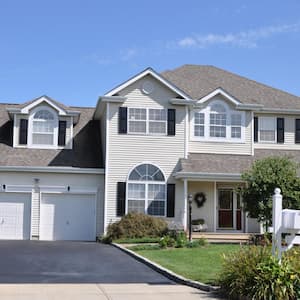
point(71, 262)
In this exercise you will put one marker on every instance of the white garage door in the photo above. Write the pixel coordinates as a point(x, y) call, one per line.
point(68, 217)
point(15, 216)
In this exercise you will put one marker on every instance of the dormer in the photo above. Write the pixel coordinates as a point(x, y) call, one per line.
point(43, 124)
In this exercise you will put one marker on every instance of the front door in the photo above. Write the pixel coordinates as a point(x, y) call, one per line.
point(229, 210)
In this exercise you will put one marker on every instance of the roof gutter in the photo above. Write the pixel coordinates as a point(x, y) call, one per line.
point(64, 170)
point(208, 176)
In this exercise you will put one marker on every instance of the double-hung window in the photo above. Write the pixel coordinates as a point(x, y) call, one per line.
point(147, 121)
point(236, 126)
point(43, 125)
point(267, 129)
point(217, 122)
point(199, 119)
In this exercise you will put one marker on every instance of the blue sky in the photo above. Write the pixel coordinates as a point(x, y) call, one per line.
point(75, 51)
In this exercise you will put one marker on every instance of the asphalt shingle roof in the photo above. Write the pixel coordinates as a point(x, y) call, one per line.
point(86, 152)
point(198, 81)
point(229, 163)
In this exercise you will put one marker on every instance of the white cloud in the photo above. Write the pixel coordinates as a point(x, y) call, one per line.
point(128, 54)
point(247, 39)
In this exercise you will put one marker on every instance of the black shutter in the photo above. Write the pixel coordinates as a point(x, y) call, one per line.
point(171, 121)
point(23, 132)
point(170, 200)
point(121, 198)
point(256, 129)
point(62, 126)
point(122, 119)
point(280, 130)
point(297, 131)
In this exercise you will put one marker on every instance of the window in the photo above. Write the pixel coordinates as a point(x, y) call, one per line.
point(147, 190)
point(199, 119)
point(218, 122)
point(137, 120)
point(147, 121)
point(236, 126)
point(43, 125)
point(267, 129)
point(217, 116)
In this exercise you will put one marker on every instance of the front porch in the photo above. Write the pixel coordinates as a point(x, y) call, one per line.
point(221, 211)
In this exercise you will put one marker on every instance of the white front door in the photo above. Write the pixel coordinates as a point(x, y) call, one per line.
point(15, 216)
point(68, 217)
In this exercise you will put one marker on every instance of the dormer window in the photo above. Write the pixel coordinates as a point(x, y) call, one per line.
point(43, 125)
point(43, 128)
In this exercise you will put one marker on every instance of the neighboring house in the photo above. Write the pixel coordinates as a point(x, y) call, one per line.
point(68, 172)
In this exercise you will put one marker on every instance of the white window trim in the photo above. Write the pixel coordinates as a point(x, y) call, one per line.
point(207, 137)
point(146, 182)
point(275, 131)
point(147, 122)
point(30, 129)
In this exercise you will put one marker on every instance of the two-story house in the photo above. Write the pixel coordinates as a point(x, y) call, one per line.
point(68, 172)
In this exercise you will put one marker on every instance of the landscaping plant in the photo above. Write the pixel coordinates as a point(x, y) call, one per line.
point(137, 225)
point(253, 273)
point(261, 180)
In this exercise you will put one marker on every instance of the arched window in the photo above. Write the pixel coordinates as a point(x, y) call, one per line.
point(43, 126)
point(146, 190)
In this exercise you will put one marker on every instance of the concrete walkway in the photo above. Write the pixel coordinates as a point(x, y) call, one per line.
point(101, 292)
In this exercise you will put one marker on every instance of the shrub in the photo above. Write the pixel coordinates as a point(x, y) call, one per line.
point(167, 241)
point(253, 273)
point(196, 243)
point(137, 225)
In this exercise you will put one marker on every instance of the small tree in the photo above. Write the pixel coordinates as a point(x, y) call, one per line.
point(261, 180)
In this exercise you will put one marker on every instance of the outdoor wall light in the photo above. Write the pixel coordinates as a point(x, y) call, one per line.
point(69, 188)
point(3, 186)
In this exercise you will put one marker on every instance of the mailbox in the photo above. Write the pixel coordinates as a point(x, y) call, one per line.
point(291, 219)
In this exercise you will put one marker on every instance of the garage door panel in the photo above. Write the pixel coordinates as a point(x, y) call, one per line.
point(15, 215)
point(67, 217)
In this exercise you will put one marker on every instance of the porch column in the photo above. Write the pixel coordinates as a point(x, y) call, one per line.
point(215, 206)
point(185, 208)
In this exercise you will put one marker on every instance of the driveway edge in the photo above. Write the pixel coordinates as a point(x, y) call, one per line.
point(167, 273)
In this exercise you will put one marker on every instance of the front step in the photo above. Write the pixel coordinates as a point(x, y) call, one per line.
point(214, 237)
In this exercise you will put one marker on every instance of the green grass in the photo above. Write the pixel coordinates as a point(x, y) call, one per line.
point(200, 264)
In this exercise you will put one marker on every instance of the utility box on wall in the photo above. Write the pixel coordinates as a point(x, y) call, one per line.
point(291, 219)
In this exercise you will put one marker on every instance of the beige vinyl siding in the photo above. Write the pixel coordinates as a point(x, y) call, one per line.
point(244, 147)
point(208, 210)
point(289, 134)
point(128, 150)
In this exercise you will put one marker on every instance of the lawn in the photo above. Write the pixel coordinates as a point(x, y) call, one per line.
point(201, 264)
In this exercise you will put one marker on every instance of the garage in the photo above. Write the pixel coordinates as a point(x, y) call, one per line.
point(68, 217)
point(15, 212)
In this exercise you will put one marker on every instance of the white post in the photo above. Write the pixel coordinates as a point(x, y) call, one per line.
point(277, 220)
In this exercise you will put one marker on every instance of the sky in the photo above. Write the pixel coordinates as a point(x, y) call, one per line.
point(76, 50)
